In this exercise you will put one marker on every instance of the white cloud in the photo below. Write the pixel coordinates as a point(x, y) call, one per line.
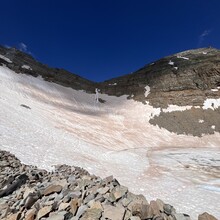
point(205, 33)
point(202, 36)
point(22, 47)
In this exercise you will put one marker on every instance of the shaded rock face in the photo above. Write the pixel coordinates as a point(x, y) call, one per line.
point(26, 64)
point(182, 79)
point(195, 121)
point(54, 195)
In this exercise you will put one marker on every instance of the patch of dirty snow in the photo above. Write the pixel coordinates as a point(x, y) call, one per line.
point(181, 57)
point(171, 63)
point(172, 108)
point(147, 91)
point(211, 103)
point(214, 90)
point(213, 127)
point(5, 59)
point(26, 67)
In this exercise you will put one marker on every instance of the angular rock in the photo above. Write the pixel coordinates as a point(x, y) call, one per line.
point(74, 204)
point(75, 194)
point(95, 205)
point(134, 218)
point(92, 214)
point(15, 216)
point(63, 206)
point(206, 216)
point(142, 211)
point(81, 210)
point(89, 198)
point(160, 204)
point(30, 200)
point(52, 189)
point(117, 193)
point(30, 214)
point(180, 216)
point(168, 209)
point(103, 190)
point(159, 217)
point(139, 199)
point(59, 216)
point(44, 211)
point(14, 186)
point(108, 179)
point(111, 212)
point(27, 191)
point(154, 208)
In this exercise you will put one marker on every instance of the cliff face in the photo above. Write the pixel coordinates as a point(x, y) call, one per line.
point(186, 78)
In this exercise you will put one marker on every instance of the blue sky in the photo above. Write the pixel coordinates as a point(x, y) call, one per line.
point(103, 39)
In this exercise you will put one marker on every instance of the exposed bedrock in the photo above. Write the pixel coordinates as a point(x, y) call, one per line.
point(195, 121)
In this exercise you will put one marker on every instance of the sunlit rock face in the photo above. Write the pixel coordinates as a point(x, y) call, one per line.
point(186, 78)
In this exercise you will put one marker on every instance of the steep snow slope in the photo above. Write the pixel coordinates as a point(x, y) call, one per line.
point(62, 125)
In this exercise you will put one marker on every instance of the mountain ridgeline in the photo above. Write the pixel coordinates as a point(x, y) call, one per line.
point(188, 78)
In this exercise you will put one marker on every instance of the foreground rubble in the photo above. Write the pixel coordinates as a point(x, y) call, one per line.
point(69, 192)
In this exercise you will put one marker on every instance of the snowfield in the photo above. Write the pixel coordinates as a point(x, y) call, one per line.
point(57, 125)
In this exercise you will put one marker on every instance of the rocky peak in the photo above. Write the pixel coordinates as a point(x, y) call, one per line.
point(185, 78)
point(24, 63)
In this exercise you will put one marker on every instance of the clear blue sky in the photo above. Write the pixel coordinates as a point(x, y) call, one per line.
point(102, 39)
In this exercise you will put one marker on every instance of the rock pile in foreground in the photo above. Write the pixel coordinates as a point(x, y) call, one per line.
point(72, 193)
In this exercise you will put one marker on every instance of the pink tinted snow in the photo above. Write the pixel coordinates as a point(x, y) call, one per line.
point(68, 126)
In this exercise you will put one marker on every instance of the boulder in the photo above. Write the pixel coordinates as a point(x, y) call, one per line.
point(63, 206)
point(52, 189)
point(81, 210)
point(154, 208)
point(168, 209)
point(112, 212)
point(74, 204)
point(143, 211)
point(30, 214)
point(92, 214)
point(44, 211)
point(206, 216)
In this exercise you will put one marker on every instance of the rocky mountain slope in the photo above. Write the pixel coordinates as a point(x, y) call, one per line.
point(72, 193)
point(24, 63)
point(45, 121)
point(190, 78)
point(187, 79)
